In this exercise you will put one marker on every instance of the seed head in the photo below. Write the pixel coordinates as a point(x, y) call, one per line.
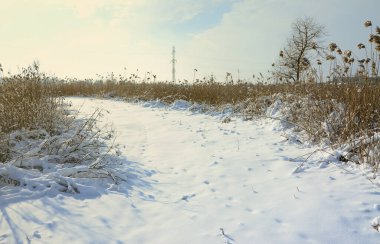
point(368, 23)
point(330, 57)
point(361, 45)
point(371, 37)
point(281, 54)
point(347, 53)
point(333, 46)
point(376, 39)
point(339, 51)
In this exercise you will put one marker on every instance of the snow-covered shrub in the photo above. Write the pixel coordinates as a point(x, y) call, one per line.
point(81, 150)
point(27, 101)
point(43, 144)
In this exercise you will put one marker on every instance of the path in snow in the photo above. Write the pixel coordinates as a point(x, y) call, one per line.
point(212, 182)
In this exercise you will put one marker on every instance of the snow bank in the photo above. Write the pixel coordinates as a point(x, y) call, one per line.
point(79, 159)
point(181, 105)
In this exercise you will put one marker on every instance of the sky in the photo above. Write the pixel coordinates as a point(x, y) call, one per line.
point(86, 38)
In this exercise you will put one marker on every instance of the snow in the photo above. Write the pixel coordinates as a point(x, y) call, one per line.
point(181, 105)
point(193, 179)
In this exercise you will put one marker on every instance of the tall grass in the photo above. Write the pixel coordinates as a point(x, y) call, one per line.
point(27, 102)
point(361, 99)
point(38, 132)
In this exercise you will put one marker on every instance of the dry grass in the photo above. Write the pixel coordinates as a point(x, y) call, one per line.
point(338, 112)
point(39, 133)
point(361, 99)
point(342, 111)
point(27, 102)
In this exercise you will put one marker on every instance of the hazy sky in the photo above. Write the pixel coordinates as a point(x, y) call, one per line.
point(82, 38)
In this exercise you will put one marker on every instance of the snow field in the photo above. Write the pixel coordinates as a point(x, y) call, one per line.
point(199, 180)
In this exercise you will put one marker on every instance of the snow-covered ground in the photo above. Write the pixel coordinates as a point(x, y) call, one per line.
point(199, 180)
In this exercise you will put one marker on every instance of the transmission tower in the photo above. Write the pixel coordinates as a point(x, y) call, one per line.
point(173, 64)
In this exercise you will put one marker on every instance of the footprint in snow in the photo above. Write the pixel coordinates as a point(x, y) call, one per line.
point(214, 163)
point(323, 165)
point(376, 207)
point(277, 220)
point(35, 235)
point(186, 198)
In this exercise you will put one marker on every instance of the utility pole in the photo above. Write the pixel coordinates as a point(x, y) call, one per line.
point(173, 64)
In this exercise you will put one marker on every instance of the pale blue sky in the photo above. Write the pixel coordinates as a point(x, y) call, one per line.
point(82, 38)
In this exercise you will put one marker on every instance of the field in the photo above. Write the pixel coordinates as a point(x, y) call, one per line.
point(289, 158)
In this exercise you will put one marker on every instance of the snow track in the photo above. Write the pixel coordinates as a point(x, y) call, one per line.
point(205, 182)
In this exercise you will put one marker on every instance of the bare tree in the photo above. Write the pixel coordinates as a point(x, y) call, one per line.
point(301, 48)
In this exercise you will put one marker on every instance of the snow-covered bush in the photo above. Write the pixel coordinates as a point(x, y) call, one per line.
point(43, 144)
point(41, 160)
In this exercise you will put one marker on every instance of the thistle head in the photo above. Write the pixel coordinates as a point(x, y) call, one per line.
point(347, 53)
point(333, 46)
point(371, 38)
point(368, 23)
point(330, 57)
point(376, 39)
point(361, 45)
